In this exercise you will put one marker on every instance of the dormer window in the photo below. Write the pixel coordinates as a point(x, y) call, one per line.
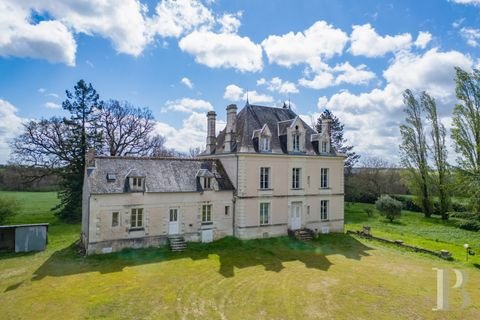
point(137, 183)
point(207, 182)
point(265, 144)
point(324, 146)
point(296, 143)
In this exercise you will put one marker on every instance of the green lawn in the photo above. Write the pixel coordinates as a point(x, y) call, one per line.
point(413, 228)
point(335, 276)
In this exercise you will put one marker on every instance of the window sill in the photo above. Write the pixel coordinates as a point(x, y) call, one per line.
point(264, 224)
point(297, 189)
point(328, 188)
point(207, 223)
point(327, 220)
point(266, 189)
point(136, 229)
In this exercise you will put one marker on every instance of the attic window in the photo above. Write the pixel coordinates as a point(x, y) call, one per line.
point(137, 183)
point(296, 142)
point(265, 144)
point(324, 146)
point(111, 177)
point(207, 181)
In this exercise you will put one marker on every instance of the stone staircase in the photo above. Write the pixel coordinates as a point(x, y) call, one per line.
point(302, 234)
point(177, 243)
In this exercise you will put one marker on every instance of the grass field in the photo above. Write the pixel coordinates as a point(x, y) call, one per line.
point(335, 276)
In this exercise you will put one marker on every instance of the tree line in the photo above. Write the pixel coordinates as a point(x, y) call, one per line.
point(424, 152)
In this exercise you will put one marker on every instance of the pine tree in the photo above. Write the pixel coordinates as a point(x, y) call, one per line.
point(339, 143)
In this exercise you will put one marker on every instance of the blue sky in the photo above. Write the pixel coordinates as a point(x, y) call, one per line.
point(183, 58)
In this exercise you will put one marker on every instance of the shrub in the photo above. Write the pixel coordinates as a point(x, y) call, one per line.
point(8, 208)
point(408, 203)
point(368, 211)
point(471, 225)
point(389, 207)
point(458, 207)
point(464, 215)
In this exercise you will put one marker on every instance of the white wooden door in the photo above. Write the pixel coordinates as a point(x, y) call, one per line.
point(173, 222)
point(207, 235)
point(296, 216)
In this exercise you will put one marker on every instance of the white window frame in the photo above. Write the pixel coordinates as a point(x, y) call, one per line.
point(135, 221)
point(137, 183)
point(264, 213)
point(324, 146)
point(265, 178)
point(207, 213)
point(324, 210)
point(207, 183)
point(264, 143)
point(324, 178)
point(175, 211)
point(296, 142)
point(296, 178)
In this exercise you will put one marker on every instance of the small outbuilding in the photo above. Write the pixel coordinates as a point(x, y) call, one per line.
point(24, 237)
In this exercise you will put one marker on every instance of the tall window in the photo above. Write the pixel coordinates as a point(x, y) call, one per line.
point(136, 183)
point(264, 178)
point(136, 218)
point(207, 181)
point(265, 144)
point(324, 146)
point(296, 142)
point(206, 213)
point(115, 219)
point(324, 210)
point(296, 178)
point(264, 213)
point(324, 178)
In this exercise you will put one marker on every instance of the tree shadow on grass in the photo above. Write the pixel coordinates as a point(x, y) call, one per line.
point(233, 254)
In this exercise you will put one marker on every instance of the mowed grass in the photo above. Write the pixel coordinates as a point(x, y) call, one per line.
point(413, 228)
point(334, 277)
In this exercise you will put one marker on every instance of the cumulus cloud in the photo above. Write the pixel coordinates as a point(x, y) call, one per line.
point(320, 40)
point(52, 105)
point(233, 93)
point(187, 82)
point(193, 130)
point(255, 97)
point(10, 127)
point(223, 50)
point(230, 22)
point(278, 85)
point(174, 18)
point(472, 36)
point(367, 42)
point(472, 2)
point(187, 105)
point(423, 39)
point(372, 118)
point(326, 76)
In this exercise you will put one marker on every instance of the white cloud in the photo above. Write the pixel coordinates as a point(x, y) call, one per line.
point(423, 39)
point(233, 93)
point(255, 98)
point(42, 90)
point(50, 40)
point(372, 118)
point(230, 22)
point(278, 85)
point(187, 105)
point(473, 2)
point(223, 50)
point(52, 105)
point(326, 76)
point(187, 82)
point(367, 42)
point(175, 18)
point(193, 130)
point(10, 127)
point(471, 35)
point(320, 40)
point(322, 102)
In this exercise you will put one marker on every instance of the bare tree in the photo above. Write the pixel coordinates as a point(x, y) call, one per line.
point(126, 129)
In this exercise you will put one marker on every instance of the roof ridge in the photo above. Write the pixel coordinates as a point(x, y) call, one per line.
point(153, 158)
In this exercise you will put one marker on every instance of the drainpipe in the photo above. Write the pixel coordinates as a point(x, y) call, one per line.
point(235, 192)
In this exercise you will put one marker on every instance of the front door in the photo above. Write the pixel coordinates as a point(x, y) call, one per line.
point(296, 216)
point(173, 222)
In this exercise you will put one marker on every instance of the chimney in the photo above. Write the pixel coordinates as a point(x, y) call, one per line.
point(231, 128)
point(211, 134)
point(326, 124)
point(90, 158)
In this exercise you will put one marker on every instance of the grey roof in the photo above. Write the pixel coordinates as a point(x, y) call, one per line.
point(253, 117)
point(161, 174)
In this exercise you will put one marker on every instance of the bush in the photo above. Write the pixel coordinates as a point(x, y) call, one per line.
point(368, 211)
point(408, 203)
point(8, 208)
point(471, 225)
point(458, 207)
point(389, 207)
point(464, 215)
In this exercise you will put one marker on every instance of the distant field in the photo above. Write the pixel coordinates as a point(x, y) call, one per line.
point(333, 277)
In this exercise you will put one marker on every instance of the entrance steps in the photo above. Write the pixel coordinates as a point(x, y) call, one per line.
point(177, 243)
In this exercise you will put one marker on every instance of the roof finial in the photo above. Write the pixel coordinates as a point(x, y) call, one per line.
point(289, 101)
point(247, 98)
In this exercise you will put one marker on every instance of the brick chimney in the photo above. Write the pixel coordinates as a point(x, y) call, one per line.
point(211, 134)
point(231, 128)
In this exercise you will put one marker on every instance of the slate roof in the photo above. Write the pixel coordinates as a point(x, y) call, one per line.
point(161, 174)
point(253, 117)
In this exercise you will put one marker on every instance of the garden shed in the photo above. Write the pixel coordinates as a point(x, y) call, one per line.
point(24, 237)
